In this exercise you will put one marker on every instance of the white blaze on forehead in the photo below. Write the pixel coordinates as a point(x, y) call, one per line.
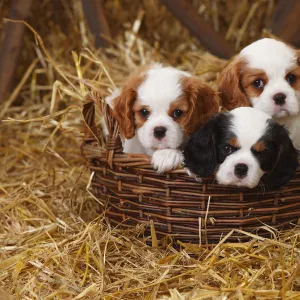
point(248, 125)
point(270, 55)
point(160, 88)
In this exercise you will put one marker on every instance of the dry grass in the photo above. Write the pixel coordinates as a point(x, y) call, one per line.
point(53, 243)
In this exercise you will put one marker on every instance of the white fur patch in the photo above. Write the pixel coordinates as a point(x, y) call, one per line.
point(166, 159)
point(134, 146)
point(248, 125)
point(160, 88)
point(269, 55)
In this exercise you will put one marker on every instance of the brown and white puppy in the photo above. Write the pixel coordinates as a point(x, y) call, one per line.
point(158, 108)
point(265, 75)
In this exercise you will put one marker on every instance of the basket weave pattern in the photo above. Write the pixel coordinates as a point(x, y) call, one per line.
point(180, 206)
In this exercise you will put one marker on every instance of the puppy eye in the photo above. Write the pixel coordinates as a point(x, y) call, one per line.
point(144, 113)
point(291, 78)
point(258, 83)
point(177, 113)
point(228, 149)
point(259, 153)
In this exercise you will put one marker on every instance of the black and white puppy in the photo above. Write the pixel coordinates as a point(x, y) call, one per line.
point(242, 147)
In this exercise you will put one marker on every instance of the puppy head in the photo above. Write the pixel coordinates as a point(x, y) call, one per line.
point(265, 75)
point(163, 106)
point(242, 148)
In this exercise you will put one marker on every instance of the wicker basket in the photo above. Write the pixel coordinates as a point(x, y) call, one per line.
point(181, 207)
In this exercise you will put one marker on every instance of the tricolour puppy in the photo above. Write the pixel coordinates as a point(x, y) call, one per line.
point(265, 75)
point(242, 147)
point(158, 108)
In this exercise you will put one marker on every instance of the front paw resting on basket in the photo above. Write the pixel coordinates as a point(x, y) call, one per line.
point(166, 159)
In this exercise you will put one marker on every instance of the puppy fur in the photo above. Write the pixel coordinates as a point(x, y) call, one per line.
point(244, 147)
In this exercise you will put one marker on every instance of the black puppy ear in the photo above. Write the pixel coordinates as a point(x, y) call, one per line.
point(200, 152)
point(287, 161)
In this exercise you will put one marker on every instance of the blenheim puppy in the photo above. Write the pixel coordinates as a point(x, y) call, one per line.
point(265, 75)
point(158, 108)
point(243, 147)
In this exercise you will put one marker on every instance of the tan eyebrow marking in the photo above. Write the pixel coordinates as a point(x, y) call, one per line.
point(182, 103)
point(234, 142)
point(137, 107)
point(259, 146)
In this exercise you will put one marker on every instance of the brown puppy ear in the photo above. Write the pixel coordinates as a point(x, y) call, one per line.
point(229, 86)
point(203, 103)
point(298, 53)
point(123, 106)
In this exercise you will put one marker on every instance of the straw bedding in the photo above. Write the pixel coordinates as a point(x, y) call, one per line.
point(53, 242)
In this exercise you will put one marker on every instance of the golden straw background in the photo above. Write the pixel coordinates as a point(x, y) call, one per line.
point(53, 242)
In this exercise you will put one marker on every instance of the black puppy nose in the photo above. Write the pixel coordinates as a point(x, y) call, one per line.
point(279, 98)
point(240, 170)
point(159, 132)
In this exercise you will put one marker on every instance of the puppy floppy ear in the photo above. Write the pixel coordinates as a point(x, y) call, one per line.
point(298, 54)
point(200, 152)
point(203, 103)
point(123, 107)
point(287, 161)
point(229, 85)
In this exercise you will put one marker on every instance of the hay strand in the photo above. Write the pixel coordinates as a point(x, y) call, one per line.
point(53, 242)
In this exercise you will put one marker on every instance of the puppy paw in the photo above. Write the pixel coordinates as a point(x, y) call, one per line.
point(166, 159)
